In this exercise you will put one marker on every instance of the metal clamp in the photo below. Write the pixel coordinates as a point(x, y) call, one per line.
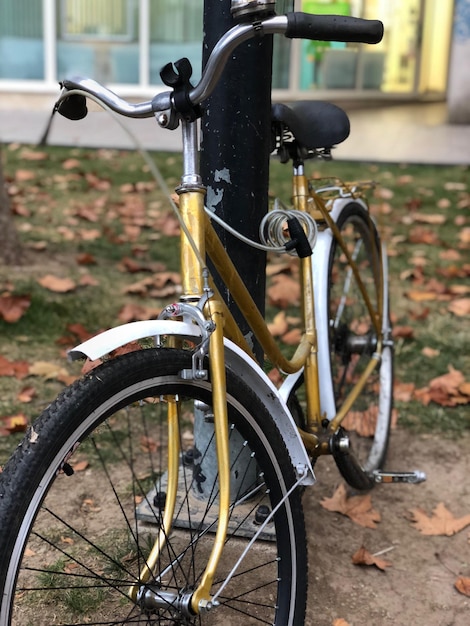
point(207, 327)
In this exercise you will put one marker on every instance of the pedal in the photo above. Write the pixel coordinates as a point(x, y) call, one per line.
point(398, 477)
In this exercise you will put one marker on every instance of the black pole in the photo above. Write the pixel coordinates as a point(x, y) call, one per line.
point(235, 149)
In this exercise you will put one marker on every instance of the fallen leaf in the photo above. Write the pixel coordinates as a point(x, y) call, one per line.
point(275, 376)
point(357, 508)
point(403, 392)
point(80, 466)
point(132, 266)
point(443, 204)
point(89, 506)
point(100, 184)
point(364, 557)
point(284, 291)
point(137, 312)
point(70, 164)
point(31, 155)
point(442, 522)
point(12, 308)
point(279, 325)
point(87, 280)
point(403, 332)
point(460, 307)
point(464, 235)
point(434, 218)
point(90, 234)
point(445, 389)
point(420, 296)
point(422, 235)
point(49, 371)
point(459, 290)
point(430, 353)
point(450, 255)
point(26, 394)
point(68, 540)
point(90, 365)
point(451, 186)
point(147, 444)
point(292, 337)
point(464, 389)
point(24, 175)
point(18, 369)
point(87, 213)
point(362, 422)
point(84, 258)
point(340, 622)
point(14, 424)
point(462, 585)
point(132, 346)
point(56, 284)
point(80, 331)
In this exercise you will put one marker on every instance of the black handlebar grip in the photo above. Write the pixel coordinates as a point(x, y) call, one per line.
point(333, 28)
point(74, 107)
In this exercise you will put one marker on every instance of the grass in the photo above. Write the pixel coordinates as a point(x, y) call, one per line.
point(80, 213)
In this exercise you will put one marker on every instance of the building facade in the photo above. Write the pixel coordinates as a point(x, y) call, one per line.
point(124, 43)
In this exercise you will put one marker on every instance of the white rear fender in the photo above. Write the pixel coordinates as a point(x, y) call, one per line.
point(236, 360)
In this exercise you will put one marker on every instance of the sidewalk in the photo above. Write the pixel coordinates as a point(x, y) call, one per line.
point(411, 133)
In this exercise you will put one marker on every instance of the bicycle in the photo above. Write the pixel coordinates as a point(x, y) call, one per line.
point(190, 510)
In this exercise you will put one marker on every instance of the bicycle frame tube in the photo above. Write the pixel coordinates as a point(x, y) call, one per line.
point(311, 375)
point(242, 297)
point(171, 493)
point(214, 312)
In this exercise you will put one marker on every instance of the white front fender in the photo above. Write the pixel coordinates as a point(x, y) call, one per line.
point(236, 360)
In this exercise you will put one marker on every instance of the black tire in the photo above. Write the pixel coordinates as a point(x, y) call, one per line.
point(71, 545)
point(353, 339)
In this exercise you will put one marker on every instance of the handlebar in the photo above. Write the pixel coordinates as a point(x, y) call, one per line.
point(292, 25)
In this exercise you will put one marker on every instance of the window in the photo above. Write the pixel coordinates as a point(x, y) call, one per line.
point(99, 38)
point(21, 40)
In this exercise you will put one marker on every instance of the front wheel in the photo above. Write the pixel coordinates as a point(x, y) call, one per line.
point(84, 498)
point(359, 327)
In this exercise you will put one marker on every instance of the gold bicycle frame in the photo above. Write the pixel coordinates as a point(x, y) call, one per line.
point(205, 239)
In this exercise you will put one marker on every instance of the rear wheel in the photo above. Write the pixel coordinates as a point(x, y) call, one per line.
point(359, 326)
point(84, 497)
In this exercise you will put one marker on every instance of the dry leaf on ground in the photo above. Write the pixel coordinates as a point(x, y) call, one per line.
point(13, 307)
point(442, 522)
point(462, 585)
point(446, 390)
point(18, 369)
point(460, 307)
point(364, 557)
point(51, 371)
point(136, 312)
point(80, 466)
point(403, 392)
point(279, 325)
point(13, 424)
point(340, 622)
point(284, 291)
point(357, 508)
point(56, 284)
point(26, 394)
point(362, 422)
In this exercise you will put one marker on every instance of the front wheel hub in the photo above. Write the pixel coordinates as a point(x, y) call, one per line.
point(152, 599)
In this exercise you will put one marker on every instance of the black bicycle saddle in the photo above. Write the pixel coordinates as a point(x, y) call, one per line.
point(313, 124)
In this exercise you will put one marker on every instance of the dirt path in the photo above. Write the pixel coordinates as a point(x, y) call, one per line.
point(418, 589)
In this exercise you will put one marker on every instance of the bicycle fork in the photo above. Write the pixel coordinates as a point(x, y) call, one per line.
point(191, 207)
